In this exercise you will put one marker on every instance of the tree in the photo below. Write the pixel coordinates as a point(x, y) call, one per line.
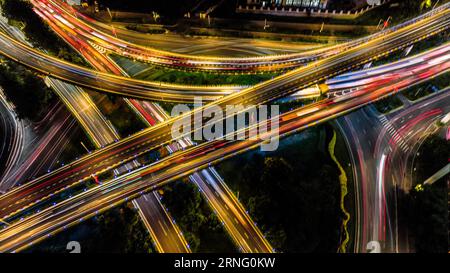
point(428, 219)
point(25, 90)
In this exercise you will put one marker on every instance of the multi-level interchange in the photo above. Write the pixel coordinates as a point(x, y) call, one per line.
point(334, 84)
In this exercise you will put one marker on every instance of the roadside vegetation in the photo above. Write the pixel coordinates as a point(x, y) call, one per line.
point(343, 180)
point(116, 110)
point(25, 90)
point(201, 227)
point(346, 178)
point(201, 78)
point(388, 104)
point(144, 29)
point(432, 156)
point(425, 209)
point(427, 212)
point(293, 194)
point(20, 14)
point(118, 230)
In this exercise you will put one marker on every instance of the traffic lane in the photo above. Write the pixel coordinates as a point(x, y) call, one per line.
point(123, 46)
point(234, 217)
point(165, 234)
point(190, 160)
point(106, 82)
point(273, 84)
point(11, 131)
point(107, 86)
point(169, 237)
point(137, 92)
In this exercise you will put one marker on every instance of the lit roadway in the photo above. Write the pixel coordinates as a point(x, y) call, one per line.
point(230, 211)
point(336, 84)
point(260, 85)
point(166, 235)
point(83, 108)
point(95, 32)
point(70, 211)
point(434, 22)
point(118, 85)
point(217, 46)
point(239, 225)
point(396, 147)
point(42, 154)
point(129, 148)
point(377, 143)
point(11, 130)
point(75, 22)
point(352, 81)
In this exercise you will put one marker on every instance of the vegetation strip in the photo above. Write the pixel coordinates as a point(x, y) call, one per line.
point(343, 181)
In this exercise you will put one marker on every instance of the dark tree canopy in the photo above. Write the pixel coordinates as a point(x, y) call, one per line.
point(292, 194)
point(24, 89)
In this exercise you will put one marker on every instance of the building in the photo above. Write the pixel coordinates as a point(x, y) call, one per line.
point(339, 9)
point(322, 4)
point(74, 2)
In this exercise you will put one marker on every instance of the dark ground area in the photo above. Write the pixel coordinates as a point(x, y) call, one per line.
point(293, 193)
point(117, 230)
point(121, 116)
point(25, 90)
point(201, 227)
point(21, 14)
point(433, 155)
point(425, 212)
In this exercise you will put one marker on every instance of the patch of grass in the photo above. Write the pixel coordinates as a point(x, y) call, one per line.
point(159, 74)
point(345, 237)
point(144, 29)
